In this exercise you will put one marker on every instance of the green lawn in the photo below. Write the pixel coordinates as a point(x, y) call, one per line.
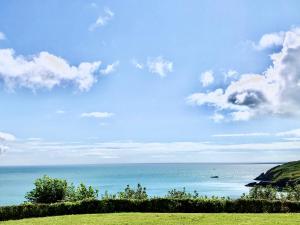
point(161, 219)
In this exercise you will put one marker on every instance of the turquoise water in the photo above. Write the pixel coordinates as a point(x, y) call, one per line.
point(158, 178)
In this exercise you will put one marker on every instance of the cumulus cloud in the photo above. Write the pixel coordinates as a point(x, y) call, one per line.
point(207, 78)
point(2, 36)
point(110, 68)
point(44, 70)
point(7, 137)
point(102, 19)
point(99, 115)
point(273, 92)
point(270, 40)
point(160, 66)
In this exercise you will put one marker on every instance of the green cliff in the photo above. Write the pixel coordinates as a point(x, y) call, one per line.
point(287, 174)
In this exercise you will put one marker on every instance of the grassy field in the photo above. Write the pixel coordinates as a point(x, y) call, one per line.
point(163, 219)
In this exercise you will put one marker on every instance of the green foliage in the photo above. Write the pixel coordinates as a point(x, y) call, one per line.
point(51, 190)
point(259, 192)
point(81, 193)
point(289, 193)
point(178, 194)
point(150, 205)
point(48, 190)
point(282, 175)
point(139, 193)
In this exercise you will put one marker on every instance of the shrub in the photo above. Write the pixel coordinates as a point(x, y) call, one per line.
point(259, 192)
point(178, 194)
point(81, 193)
point(149, 205)
point(48, 190)
point(51, 190)
point(139, 193)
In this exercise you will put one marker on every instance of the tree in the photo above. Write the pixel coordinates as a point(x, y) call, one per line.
point(48, 190)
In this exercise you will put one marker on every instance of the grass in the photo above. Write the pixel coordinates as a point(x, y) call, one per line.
point(286, 172)
point(163, 219)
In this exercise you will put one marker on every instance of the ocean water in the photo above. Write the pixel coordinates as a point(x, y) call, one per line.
point(158, 178)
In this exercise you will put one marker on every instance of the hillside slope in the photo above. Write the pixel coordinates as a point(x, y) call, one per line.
point(280, 176)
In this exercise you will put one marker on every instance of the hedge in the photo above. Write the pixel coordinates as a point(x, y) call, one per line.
point(162, 205)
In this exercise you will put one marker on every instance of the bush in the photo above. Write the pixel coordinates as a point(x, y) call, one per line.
point(51, 190)
point(138, 193)
point(289, 193)
point(81, 193)
point(178, 194)
point(48, 190)
point(150, 205)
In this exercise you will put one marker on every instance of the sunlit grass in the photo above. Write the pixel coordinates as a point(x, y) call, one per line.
point(163, 219)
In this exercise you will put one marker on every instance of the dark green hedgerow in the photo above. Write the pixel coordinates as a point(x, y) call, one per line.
point(151, 205)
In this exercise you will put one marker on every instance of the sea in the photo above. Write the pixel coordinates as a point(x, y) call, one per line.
point(158, 178)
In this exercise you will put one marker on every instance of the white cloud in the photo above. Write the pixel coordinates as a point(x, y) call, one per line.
point(137, 65)
point(270, 40)
point(243, 134)
point(60, 111)
point(44, 70)
point(217, 117)
point(100, 115)
point(45, 152)
point(102, 19)
point(110, 68)
point(7, 137)
point(289, 133)
point(93, 5)
point(230, 74)
point(207, 78)
point(2, 36)
point(273, 92)
point(160, 66)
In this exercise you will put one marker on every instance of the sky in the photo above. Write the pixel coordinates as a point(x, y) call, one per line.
point(132, 81)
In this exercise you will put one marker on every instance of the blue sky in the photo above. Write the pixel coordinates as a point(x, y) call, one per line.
point(151, 81)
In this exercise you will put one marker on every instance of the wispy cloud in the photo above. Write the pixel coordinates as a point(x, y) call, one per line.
point(102, 19)
point(60, 111)
point(291, 135)
point(136, 64)
point(2, 36)
point(110, 68)
point(230, 74)
point(217, 117)
point(100, 115)
point(45, 152)
point(7, 137)
point(207, 78)
point(44, 70)
point(160, 66)
point(242, 135)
